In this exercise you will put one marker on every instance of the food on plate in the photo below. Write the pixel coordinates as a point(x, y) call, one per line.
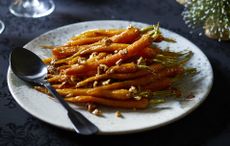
point(120, 68)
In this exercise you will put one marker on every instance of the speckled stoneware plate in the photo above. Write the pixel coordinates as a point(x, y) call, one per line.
point(50, 111)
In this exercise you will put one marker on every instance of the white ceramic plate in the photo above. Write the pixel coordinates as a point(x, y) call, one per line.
point(50, 111)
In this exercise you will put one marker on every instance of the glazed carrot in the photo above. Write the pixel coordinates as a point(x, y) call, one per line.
point(156, 67)
point(60, 78)
point(139, 104)
point(67, 60)
point(118, 75)
point(73, 60)
point(82, 60)
point(63, 67)
point(99, 32)
point(66, 51)
point(59, 55)
point(57, 79)
point(84, 41)
point(63, 51)
point(104, 48)
point(130, 51)
point(121, 94)
point(121, 76)
point(129, 67)
point(101, 55)
point(74, 54)
point(123, 68)
point(149, 52)
point(128, 36)
point(72, 92)
point(63, 85)
point(168, 72)
point(112, 76)
point(158, 85)
point(126, 84)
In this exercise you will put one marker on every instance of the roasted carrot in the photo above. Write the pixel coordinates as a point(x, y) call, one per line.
point(149, 52)
point(57, 79)
point(66, 51)
point(112, 76)
point(100, 55)
point(128, 36)
point(158, 85)
point(139, 104)
point(72, 58)
point(126, 84)
point(99, 32)
point(123, 68)
point(60, 52)
point(130, 51)
point(63, 51)
point(121, 94)
point(121, 76)
point(84, 41)
point(104, 48)
point(156, 67)
point(168, 72)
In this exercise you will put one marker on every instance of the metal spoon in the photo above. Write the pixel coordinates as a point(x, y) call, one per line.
point(30, 68)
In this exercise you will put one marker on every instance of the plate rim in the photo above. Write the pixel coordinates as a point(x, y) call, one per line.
point(117, 132)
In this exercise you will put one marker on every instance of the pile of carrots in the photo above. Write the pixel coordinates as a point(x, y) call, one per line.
point(120, 68)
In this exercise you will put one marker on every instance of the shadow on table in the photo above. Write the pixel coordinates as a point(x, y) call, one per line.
point(94, 1)
point(14, 41)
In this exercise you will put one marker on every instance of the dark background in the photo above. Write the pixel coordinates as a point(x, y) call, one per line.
point(209, 125)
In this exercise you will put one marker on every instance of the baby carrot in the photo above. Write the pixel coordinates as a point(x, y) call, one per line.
point(120, 94)
point(121, 76)
point(99, 32)
point(84, 41)
point(139, 104)
point(130, 51)
point(112, 76)
point(128, 36)
point(104, 48)
point(63, 51)
point(168, 72)
point(158, 85)
point(123, 68)
point(149, 52)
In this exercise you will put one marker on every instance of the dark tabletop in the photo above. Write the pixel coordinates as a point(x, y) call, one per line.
point(209, 125)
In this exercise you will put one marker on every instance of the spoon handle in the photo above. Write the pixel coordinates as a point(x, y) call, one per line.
point(81, 124)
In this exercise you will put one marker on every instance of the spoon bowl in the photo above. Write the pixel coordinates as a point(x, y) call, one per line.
point(27, 66)
point(30, 68)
